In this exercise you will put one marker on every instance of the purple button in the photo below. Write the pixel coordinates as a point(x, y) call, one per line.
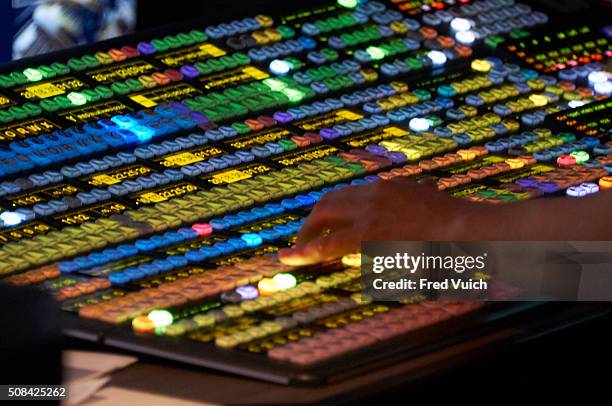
point(180, 108)
point(376, 149)
point(547, 187)
point(146, 48)
point(396, 157)
point(190, 71)
point(199, 117)
point(372, 178)
point(283, 117)
point(526, 182)
point(329, 133)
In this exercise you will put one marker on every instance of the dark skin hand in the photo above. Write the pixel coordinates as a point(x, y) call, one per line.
point(402, 209)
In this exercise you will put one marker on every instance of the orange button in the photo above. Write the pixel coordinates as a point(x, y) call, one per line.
point(605, 182)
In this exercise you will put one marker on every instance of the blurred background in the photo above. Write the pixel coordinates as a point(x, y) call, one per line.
point(33, 27)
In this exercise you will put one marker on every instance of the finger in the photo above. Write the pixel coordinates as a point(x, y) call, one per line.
point(332, 215)
point(322, 249)
point(428, 181)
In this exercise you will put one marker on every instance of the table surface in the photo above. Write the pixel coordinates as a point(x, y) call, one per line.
point(200, 385)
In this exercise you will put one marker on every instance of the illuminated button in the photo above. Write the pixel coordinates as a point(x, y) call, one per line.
point(251, 239)
point(419, 124)
point(202, 229)
point(595, 77)
point(604, 88)
point(590, 187)
point(465, 37)
point(348, 3)
point(11, 218)
point(515, 163)
point(605, 183)
point(481, 65)
point(160, 318)
point(576, 191)
point(460, 24)
point(267, 286)
point(580, 156)
point(280, 67)
point(247, 292)
point(32, 74)
point(352, 260)
point(77, 99)
point(438, 58)
point(143, 325)
point(539, 100)
point(284, 281)
point(375, 53)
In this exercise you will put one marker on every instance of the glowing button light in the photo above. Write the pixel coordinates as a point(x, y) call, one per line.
point(348, 3)
point(11, 218)
point(419, 124)
point(202, 229)
point(604, 88)
point(32, 74)
point(160, 318)
point(465, 37)
point(143, 325)
point(580, 156)
point(376, 53)
point(438, 58)
point(481, 65)
point(267, 286)
point(538, 100)
point(352, 260)
point(284, 280)
point(247, 292)
point(251, 239)
point(460, 24)
point(77, 98)
point(576, 103)
point(598, 77)
point(279, 67)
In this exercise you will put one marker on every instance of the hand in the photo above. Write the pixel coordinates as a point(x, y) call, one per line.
point(395, 209)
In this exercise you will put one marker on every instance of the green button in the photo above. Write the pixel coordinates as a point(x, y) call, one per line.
point(90, 95)
point(241, 58)
point(121, 88)
point(18, 112)
point(228, 61)
point(422, 94)
point(104, 92)
point(287, 145)
point(567, 137)
point(63, 102)
point(329, 54)
point(6, 81)
point(216, 65)
point(6, 116)
point(160, 45)
point(234, 94)
point(218, 98)
point(60, 68)
point(286, 32)
point(241, 128)
point(32, 109)
point(47, 71)
point(49, 105)
point(335, 160)
point(91, 61)
point(134, 84)
point(203, 68)
point(172, 41)
point(198, 36)
point(185, 38)
point(76, 64)
point(414, 63)
point(19, 78)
